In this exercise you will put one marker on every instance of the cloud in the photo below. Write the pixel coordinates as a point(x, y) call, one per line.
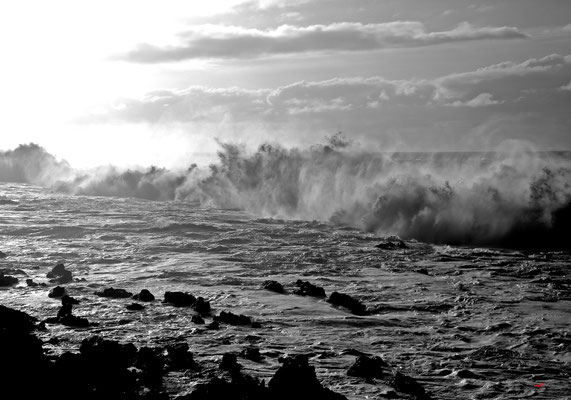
point(525, 98)
point(216, 41)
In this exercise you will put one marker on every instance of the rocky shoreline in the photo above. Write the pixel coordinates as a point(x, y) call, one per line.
point(103, 368)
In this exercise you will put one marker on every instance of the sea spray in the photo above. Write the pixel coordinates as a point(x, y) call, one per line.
point(516, 199)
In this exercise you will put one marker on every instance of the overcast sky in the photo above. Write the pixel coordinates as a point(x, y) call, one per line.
point(158, 82)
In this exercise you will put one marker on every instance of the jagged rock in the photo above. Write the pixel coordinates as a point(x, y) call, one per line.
point(232, 319)
point(7, 280)
point(408, 385)
point(252, 354)
point(31, 283)
point(367, 367)
point(242, 387)
point(135, 307)
point(344, 300)
point(197, 319)
point(297, 379)
point(59, 274)
point(229, 362)
point(144, 295)
point(306, 288)
point(57, 292)
point(179, 299)
point(114, 293)
point(273, 286)
point(179, 357)
point(201, 306)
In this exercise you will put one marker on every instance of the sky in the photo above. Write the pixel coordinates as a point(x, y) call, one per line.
point(162, 82)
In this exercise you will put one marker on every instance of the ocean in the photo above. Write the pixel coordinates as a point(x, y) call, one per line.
point(461, 261)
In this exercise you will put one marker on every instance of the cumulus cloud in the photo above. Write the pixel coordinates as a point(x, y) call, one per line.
point(481, 100)
point(216, 41)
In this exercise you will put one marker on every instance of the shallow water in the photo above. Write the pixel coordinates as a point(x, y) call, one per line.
point(502, 314)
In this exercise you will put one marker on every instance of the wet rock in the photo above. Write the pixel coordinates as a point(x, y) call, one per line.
point(229, 362)
point(305, 288)
point(391, 245)
point(201, 306)
point(31, 283)
point(64, 310)
point(406, 384)
point(242, 387)
point(114, 293)
point(179, 299)
point(256, 325)
point(367, 367)
point(74, 321)
point(466, 374)
point(65, 299)
point(3, 255)
point(57, 292)
point(273, 286)
point(135, 307)
point(197, 319)
point(296, 379)
point(179, 357)
point(7, 280)
point(232, 319)
point(59, 274)
point(422, 271)
point(252, 354)
point(344, 300)
point(214, 325)
point(152, 366)
point(144, 295)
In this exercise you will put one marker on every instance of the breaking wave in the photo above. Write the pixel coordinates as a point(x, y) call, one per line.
point(518, 199)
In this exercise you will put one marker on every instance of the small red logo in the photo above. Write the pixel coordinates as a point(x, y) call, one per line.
point(538, 385)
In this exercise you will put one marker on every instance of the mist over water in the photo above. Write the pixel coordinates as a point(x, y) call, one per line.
point(510, 199)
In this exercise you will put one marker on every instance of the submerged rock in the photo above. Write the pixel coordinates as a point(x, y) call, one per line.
point(179, 299)
point(273, 286)
point(197, 319)
point(344, 300)
point(135, 307)
point(31, 283)
point(59, 274)
point(65, 299)
point(306, 288)
point(408, 385)
point(114, 293)
point(391, 245)
point(252, 354)
point(367, 367)
point(144, 295)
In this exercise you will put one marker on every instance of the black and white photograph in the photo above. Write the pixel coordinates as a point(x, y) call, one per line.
point(285, 199)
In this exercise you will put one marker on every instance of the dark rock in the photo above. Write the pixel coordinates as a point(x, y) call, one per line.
point(135, 307)
point(179, 299)
point(179, 357)
point(152, 366)
point(197, 319)
point(256, 325)
point(64, 310)
point(144, 295)
point(232, 319)
point(31, 283)
point(391, 245)
point(367, 367)
point(242, 387)
point(408, 385)
point(58, 291)
point(114, 293)
point(7, 280)
point(214, 325)
point(252, 354)
point(422, 271)
point(53, 340)
point(59, 274)
point(273, 286)
point(344, 300)
point(466, 373)
point(306, 288)
point(3, 255)
point(201, 306)
point(229, 363)
point(72, 320)
point(65, 299)
point(297, 379)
